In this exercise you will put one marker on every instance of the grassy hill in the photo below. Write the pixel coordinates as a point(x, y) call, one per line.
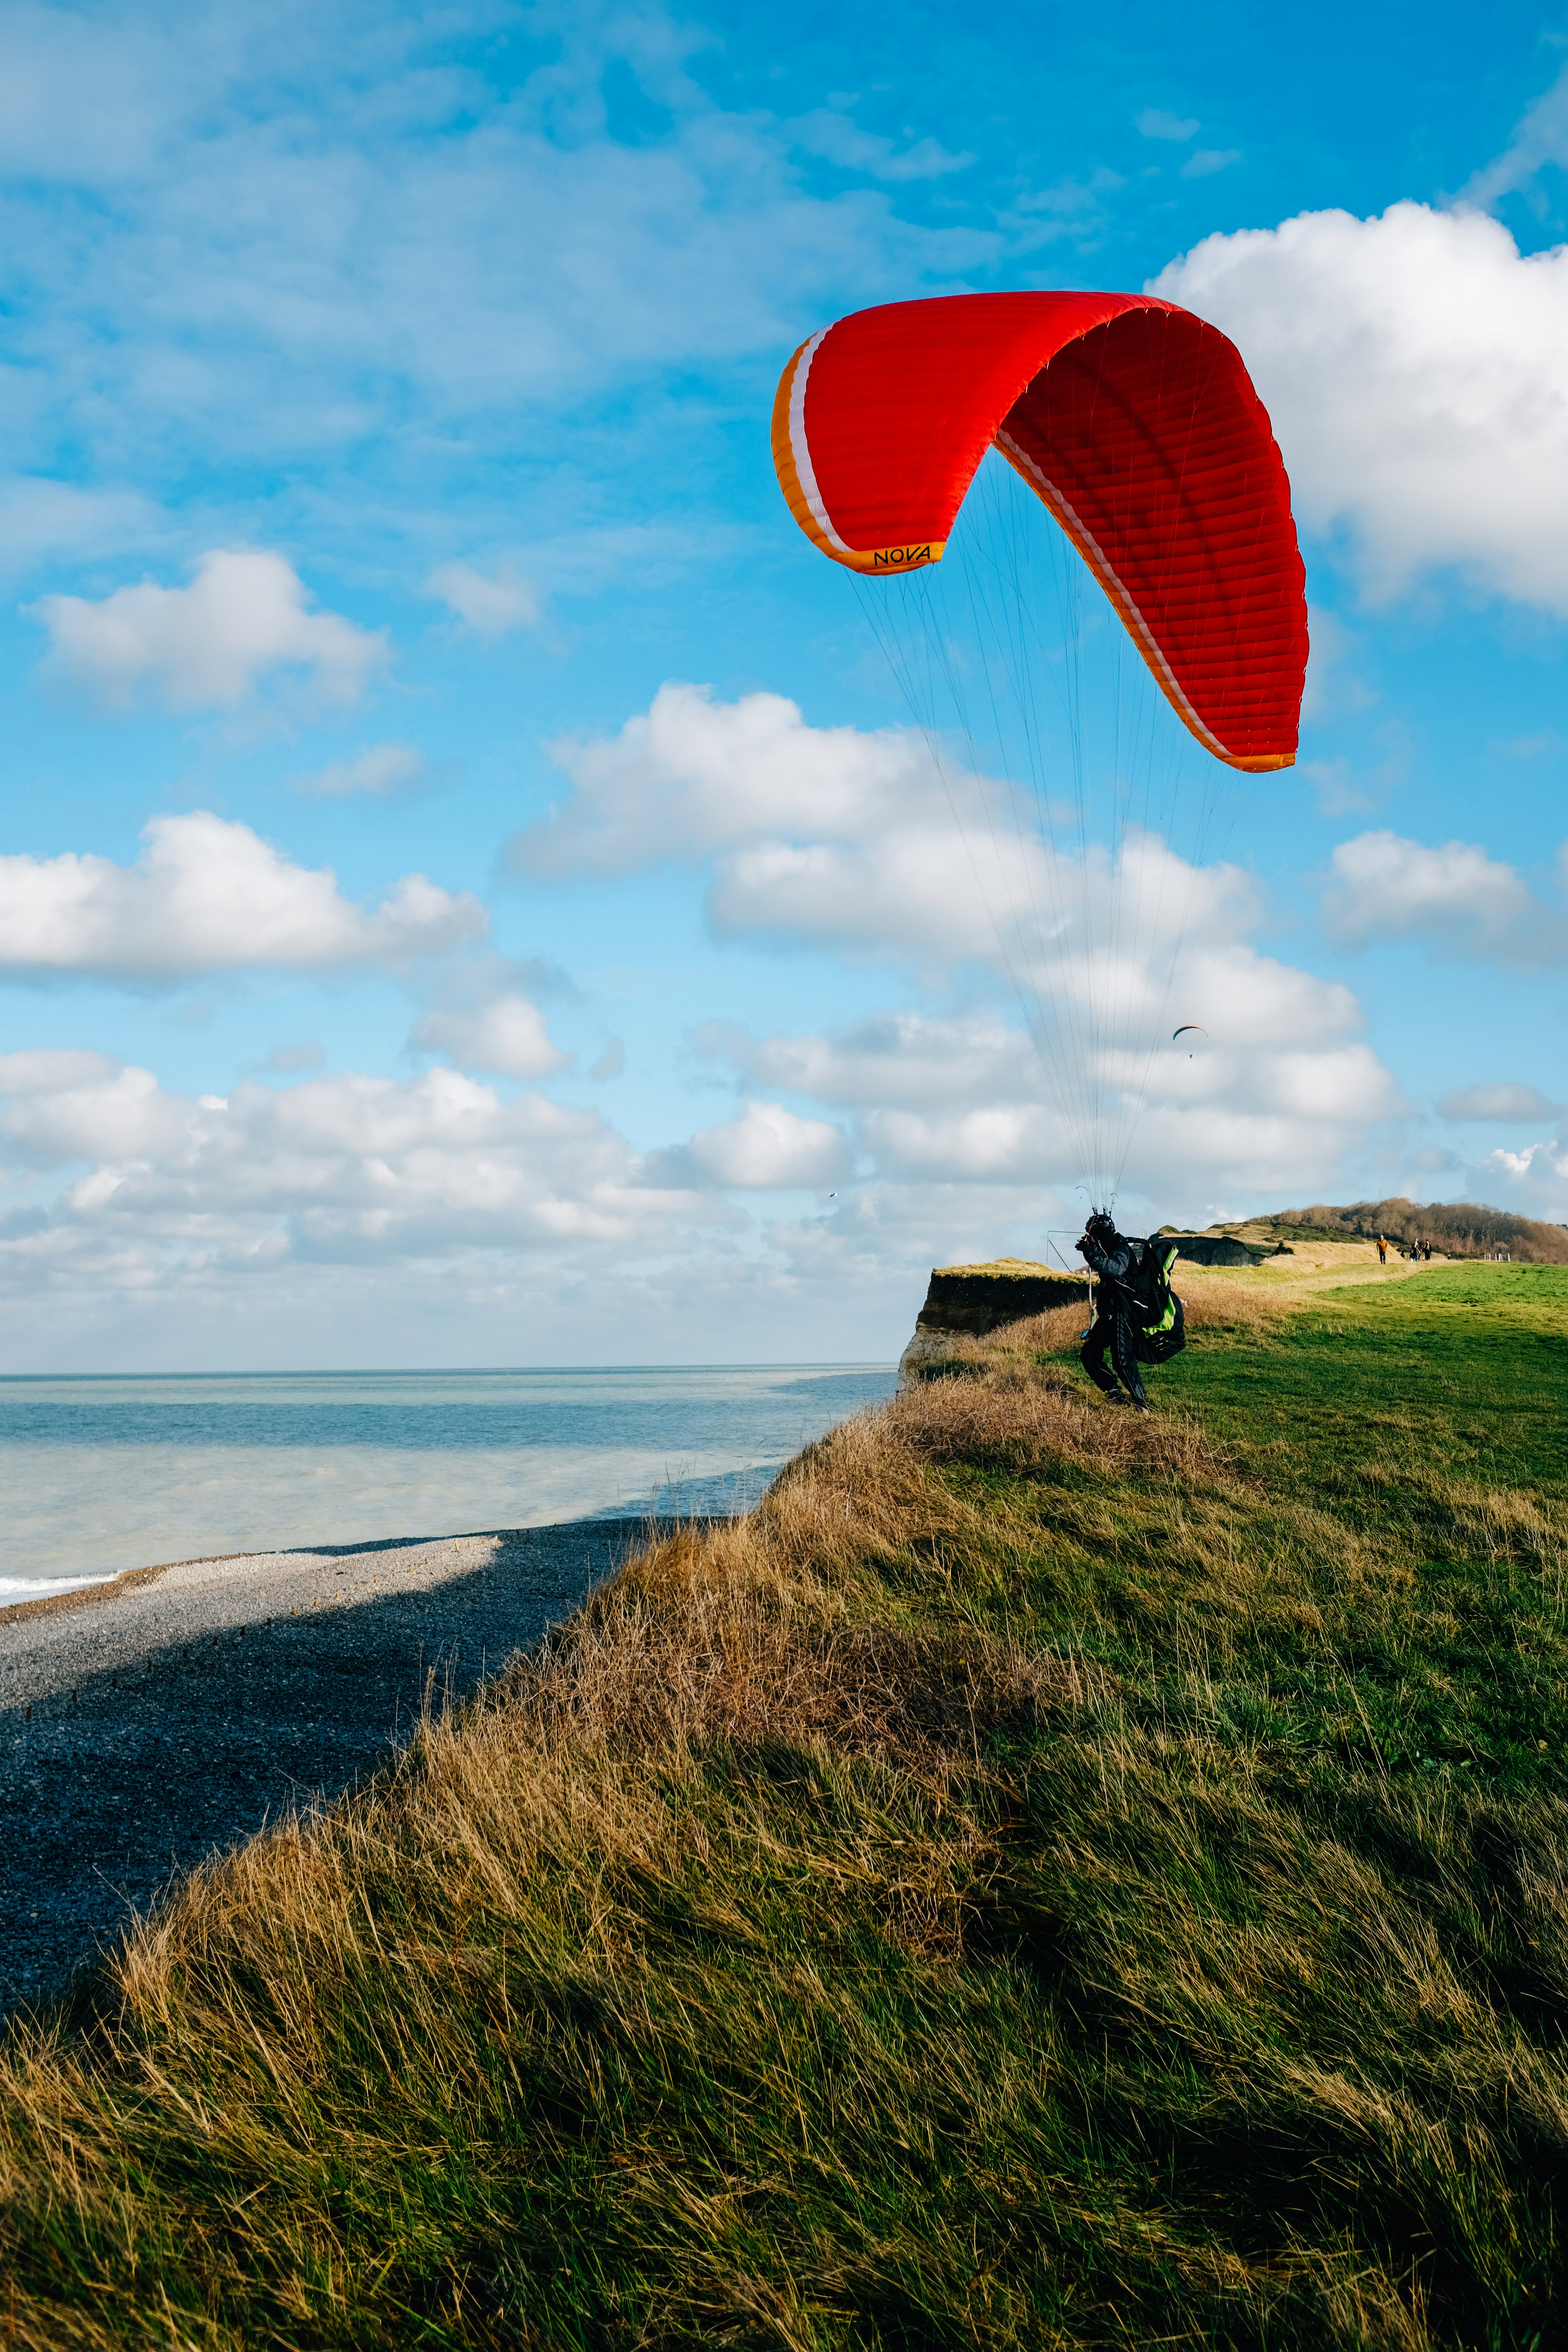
point(1047, 1878)
point(1458, 1228)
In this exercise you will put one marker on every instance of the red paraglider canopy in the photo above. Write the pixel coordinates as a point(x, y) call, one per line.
point(1134, 421)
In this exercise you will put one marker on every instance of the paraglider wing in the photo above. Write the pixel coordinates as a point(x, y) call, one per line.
point(1186, 1028)
point(1137, 426)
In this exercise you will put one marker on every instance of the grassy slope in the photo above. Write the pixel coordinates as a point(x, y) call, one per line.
point(1048, 1878)
point(1433, 1412)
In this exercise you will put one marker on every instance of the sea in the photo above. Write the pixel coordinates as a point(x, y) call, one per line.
point(103, 1473)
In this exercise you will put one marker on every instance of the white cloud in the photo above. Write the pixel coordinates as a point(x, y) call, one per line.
point(47, 1070)
point(508, 1036)
point(850, 842)
point(1533, 1182)
point(209, 896)
point(1204, 161)
point(147, 1216)
point(1253, 1117)
point(839, 839)
point(1336, 788)
point(207, 647)
point(382, 770)
point(41, 519)
point(933, 894)
point(838, 140)
point(433, 240)
point(1496, 1101)
point(1332, 687)
point(1416, 366)
point(80, 100)
point(1156, 122)
point(140, 1227)
point(334, 1168)
point(1456, 898)
point(1006, 1144)
point(119, 1115)
point(693, 775)
point(911, 1061)
point(767, 1148)
point(263, 1225)
point(1280, 1123)
point(912, 893)
point(491, 603)
point(1540, 138)
point(115, 1193)
point(1284, 1086)
point(1531, 747)
point(1069, 207)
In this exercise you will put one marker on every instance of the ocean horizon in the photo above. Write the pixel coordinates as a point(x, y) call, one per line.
point(105, 1472)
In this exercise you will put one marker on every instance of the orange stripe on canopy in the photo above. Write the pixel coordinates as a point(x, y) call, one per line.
point(1137, 426)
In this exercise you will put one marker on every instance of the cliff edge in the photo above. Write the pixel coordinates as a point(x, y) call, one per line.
point(970, 1301)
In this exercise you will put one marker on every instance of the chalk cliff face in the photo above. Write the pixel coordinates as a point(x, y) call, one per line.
point(967, 1301)
point(1216, 1249)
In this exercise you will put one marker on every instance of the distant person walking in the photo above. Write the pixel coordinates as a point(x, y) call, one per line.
point(1382, 1250)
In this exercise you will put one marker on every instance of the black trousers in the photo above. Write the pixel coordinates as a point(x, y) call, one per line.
point(1113, 1334)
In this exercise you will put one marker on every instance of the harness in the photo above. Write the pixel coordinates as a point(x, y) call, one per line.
point(1153, 1306)
point(1156, 1297)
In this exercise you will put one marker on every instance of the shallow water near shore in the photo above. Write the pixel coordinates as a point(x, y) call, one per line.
point(105, 1473)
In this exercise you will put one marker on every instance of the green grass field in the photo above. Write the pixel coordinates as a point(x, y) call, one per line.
point(1399, 1408)
point(1047, 1879)
point(1466, 1363)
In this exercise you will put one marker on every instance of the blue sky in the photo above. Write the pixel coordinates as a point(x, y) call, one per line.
point(385, 403)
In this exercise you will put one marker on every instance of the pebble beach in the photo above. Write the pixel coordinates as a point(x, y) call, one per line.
point(151, 1721)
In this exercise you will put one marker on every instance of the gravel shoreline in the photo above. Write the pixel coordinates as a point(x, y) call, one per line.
point(146, 1722)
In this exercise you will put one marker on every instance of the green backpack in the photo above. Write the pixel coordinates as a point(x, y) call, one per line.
point(1162, 1329)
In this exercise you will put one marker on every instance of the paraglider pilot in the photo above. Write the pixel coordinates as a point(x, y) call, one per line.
point(1115, 1259)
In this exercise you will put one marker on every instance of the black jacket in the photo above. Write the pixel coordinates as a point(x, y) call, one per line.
point(1117, 1268)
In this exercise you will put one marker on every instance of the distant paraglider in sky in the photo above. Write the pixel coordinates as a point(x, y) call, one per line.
point(1137, 426)
point(1189, 1029)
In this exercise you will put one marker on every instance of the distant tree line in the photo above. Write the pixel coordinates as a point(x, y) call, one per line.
point(1458, 1228)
